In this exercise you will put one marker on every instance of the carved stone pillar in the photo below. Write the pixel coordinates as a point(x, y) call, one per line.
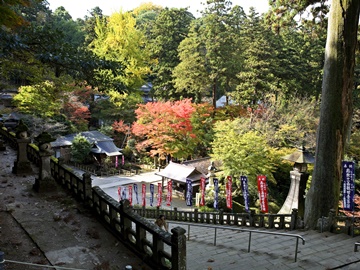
point(22, 165)
point(178, 238)
point(45, 181)
point(295, 198)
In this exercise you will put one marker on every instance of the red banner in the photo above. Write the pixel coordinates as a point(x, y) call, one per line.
point(263, 194)
point(229, 192)
point(130, 194)
point(159, 198)
point(169, 193)
point(143, 195)
point(119, 193)
point(202, 190)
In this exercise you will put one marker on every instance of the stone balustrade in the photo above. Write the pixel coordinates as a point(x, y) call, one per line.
point(270, 221)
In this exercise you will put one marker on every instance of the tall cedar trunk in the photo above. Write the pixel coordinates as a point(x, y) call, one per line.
point(335, 111)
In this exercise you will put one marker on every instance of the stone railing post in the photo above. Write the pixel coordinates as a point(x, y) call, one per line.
point(251, 218)
point(221, 217)
point(157, 212)
point(87, 188)
point(332, 220)
point(125, 223)
point(294, 217)
point(61, 161)
point(178, 248)
point(22, 165)
point(196, 215)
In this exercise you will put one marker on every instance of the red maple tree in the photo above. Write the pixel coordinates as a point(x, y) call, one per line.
point(165, 127)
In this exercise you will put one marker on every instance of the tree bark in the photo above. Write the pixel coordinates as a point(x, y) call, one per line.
point(335, 111)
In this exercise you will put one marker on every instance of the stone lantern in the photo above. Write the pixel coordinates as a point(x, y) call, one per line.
point(22, 165)
point(45, 181)
point(298, 177)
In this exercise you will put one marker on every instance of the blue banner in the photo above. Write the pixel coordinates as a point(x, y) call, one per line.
point(216, 195)
point(245, 191)
point(136, 193)
point(151, 194)
point(348, 185)
point(123, 194)
point(189, 192)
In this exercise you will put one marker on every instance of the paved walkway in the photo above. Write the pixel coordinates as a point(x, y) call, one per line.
point(321, 250)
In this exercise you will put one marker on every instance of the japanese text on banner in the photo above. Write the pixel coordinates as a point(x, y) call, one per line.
point(348, 185)
point(169, 193)
point(159, 195)
point(245, 191)
point(216, 195)
point(229, 192)
point(143, 194)
point(188, 192)
point(262, 189)
point(202, 190)
point(152, 194)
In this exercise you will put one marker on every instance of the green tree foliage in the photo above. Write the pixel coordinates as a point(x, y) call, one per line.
point(118, 40)
point(211, 54)
point(80, 149)
point(190, 76)
point(255, 142)
point(256, 79)
point(72, 30)
point(90, 24)
point(43, 99)
point(336, 101)
point(168, 30)
point(146, 15)
point(242, 152)
point(116, 106)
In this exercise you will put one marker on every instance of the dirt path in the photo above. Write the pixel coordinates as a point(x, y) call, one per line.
point(52, 228)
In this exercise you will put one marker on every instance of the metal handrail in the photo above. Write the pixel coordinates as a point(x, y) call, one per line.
point(297, 236)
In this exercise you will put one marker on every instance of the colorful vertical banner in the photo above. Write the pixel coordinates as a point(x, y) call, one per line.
point(136, 193)
point(143, 194)
point(348, 185)
point(262, 189)
point(122, 160)
point(189, 192)
point(169, 193)
point(228, 188)
point(216, 193)
point(245, 191)
point(123, 193)
point(202, 191)
point(152, 194)
point(116, 162)
point(119, 193)
point(130, 194)
point(159, 195)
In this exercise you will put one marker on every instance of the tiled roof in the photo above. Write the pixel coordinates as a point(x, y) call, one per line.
point(181, 172)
